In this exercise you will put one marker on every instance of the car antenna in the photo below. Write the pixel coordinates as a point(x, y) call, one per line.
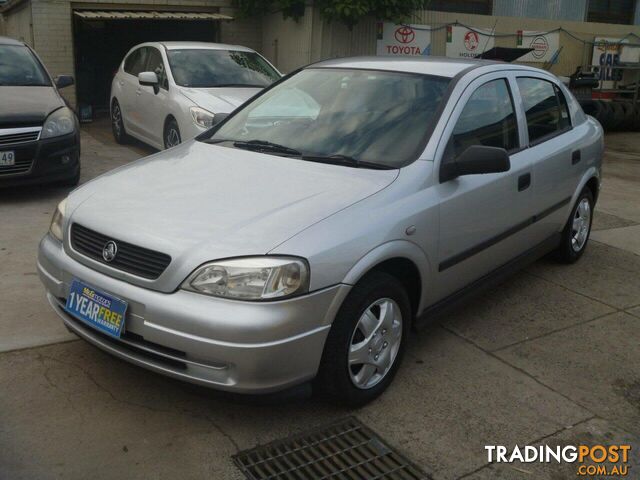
point(493, 32)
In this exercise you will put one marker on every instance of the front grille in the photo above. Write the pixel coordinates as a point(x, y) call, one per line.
point(21, 166)
point(343, 450)
point(15, 136)
point(129, 258)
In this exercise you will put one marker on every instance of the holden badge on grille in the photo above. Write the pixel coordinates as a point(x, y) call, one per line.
point(109, 251)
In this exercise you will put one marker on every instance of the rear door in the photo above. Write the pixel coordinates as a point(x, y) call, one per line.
point(482, 217)
point(153, 105)
point(551, 142)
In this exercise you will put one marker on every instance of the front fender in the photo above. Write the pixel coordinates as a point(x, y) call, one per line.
point(394, 249)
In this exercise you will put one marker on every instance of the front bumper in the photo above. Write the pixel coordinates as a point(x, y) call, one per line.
point(201, 339)
point(52, 160)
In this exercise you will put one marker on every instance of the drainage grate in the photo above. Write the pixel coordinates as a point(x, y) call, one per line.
point(343, 450)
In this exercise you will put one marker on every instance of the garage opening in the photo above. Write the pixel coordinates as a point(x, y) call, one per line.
point(102, 38)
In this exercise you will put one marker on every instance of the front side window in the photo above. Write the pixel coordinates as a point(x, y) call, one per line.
point(369, 116)
point(136, 61)
point(156, 65)
point(20, 68)
point(545, 114)
point(487, 119)
point(205, 68)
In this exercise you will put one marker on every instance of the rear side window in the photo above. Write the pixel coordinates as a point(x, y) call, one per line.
point(545, 108)
point(487, 119)
point(136, 61)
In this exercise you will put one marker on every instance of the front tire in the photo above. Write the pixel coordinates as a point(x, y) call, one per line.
point(575, 235)
point(366, 342)
point(72, 182)
point(172, 134)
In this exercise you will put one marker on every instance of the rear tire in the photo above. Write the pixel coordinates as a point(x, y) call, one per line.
point(575, 235)
point(606, 115)
point(117, 124)
point(618, 116)
point(628, 116)
point(372, 325)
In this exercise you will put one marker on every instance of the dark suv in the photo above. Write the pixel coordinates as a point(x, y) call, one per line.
point(39, 134)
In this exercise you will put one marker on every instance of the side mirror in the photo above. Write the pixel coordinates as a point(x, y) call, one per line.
point(477, 159)
point(149, 79)
point(63, 81)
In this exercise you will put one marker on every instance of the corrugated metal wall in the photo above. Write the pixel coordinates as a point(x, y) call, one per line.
point(559, 10)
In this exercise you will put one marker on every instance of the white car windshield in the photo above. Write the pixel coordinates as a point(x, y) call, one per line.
point(204, 68)
point(20, 68)
point(360, 117)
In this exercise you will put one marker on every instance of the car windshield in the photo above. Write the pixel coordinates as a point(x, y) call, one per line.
point(20, 68)
point(202, 68)
point(340, 115)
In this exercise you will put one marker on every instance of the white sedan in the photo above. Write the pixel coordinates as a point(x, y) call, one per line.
point(167, 92)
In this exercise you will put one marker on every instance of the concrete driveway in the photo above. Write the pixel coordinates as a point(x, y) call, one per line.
point(552, 356)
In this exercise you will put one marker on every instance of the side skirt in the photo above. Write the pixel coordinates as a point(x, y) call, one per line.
point(490, 280)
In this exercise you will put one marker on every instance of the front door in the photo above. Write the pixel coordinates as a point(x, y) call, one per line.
point(153, 105)
point(482, 217)
point(133, 65)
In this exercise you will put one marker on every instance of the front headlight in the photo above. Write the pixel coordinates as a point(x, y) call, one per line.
point(57, 221)
point(60, 122)
point(201, 117)
point(252, 278)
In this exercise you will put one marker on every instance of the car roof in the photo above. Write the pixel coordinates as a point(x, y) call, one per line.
point(439, 66)
point(10, 41)
point(173, 45)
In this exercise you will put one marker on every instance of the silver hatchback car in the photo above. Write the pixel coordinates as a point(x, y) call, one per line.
point(307, 233)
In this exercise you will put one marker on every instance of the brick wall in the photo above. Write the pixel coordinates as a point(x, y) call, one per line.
point(53, 40)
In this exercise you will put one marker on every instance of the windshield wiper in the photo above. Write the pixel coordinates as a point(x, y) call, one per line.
point(339, 159)
point(264, 146)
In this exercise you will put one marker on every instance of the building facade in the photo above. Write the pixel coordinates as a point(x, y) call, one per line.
point(88, 39)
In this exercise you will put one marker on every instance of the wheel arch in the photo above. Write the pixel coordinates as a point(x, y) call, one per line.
point(593, 184)
point(402, 259)
point(167, 119)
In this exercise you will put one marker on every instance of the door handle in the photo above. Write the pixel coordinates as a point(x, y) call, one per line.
point(575, 157)
point(121, 82)
point(138, 92)
point(524, 181)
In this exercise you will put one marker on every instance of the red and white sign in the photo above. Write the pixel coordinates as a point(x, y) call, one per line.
point(545, 45)
point(404, 40)
point(463, 42)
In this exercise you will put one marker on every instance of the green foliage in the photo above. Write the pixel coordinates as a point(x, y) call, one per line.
point(252, 8)
point(348, 12)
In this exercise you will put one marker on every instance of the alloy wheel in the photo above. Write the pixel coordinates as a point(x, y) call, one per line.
point(173, 138)
point(581, 224)
point(375, 343)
